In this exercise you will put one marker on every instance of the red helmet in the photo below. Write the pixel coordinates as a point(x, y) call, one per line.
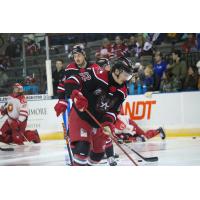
point(18, 88)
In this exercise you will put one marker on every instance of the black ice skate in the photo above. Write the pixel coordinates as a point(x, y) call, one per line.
point(112, 161)
point(162, 133)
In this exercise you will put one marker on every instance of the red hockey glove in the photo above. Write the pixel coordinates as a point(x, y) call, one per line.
point(60, 107)
point(79, 100)
point(120, 125)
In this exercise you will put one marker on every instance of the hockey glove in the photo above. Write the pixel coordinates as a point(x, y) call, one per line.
point(60, 107)
point(79, 100)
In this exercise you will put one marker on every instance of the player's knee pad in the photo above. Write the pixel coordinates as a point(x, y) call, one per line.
point(95, 158)
point(17, 138)
point(151, 133)
point(80, 151)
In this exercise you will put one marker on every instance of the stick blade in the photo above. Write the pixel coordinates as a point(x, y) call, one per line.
point(151, 159)
point(6, 149)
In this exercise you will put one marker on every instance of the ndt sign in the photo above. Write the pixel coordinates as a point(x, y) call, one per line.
point(138, 110)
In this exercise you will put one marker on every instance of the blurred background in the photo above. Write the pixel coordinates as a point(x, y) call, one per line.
point(157, 56)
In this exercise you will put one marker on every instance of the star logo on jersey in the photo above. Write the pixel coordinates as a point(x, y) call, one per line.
point(105, 105)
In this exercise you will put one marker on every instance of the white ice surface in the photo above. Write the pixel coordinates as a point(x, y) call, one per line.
point(171, 152)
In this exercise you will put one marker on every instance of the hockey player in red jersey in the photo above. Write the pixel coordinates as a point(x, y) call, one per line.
point(78, 69)
point(127, 130)
point(102, 93)
point(13, 129)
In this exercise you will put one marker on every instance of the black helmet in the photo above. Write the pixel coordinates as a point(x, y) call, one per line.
point(103, 62)
point(123, 64)
point(78, 49)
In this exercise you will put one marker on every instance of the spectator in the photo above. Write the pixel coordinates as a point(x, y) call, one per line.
point(171, 38)
point(132, 46)
point(131, 85)
point(198, 41)
point(58, 75)
point(30, 86)
point(198, 67)
point(18, 50)
point(159, 68)
point(169, 82)
point(148, 44)
point(147, 79)
point(118, 48)
point(14, 49)
point(191, 81)
point(139, 45)
point(3, 79)
point(105, 51)
point(4, 61)
point(156, 38)
point(178, 68)
point(190, 43)
point(32, 48)
point(87, 50)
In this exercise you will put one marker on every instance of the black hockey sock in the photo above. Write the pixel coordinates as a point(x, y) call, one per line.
point(109, 151)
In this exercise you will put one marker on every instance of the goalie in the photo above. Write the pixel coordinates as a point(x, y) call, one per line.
point(128, 131)
point(13, 129)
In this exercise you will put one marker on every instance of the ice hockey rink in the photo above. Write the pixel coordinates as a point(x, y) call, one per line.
point(180, 151)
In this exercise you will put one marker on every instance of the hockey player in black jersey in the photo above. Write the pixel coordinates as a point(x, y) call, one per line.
point(102, 93)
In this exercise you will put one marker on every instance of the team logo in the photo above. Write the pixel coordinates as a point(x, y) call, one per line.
point(85, 76)
point(105, 105)
point(10, 107)
point(100, 71)
point(94, 130)
point(83, 132)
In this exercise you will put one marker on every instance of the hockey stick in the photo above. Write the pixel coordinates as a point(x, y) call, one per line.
point(6, 149)
point(113, 138)
point(147, 159)
point(66, 137)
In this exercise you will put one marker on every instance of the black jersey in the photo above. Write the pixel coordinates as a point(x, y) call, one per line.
point(72, 70)
point(104, 95)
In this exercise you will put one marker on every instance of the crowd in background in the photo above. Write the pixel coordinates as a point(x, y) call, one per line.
point(160, 74)
point(163, 73)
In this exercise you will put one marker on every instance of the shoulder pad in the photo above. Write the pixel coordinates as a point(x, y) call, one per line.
point(101, 74)
point(71, 66)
